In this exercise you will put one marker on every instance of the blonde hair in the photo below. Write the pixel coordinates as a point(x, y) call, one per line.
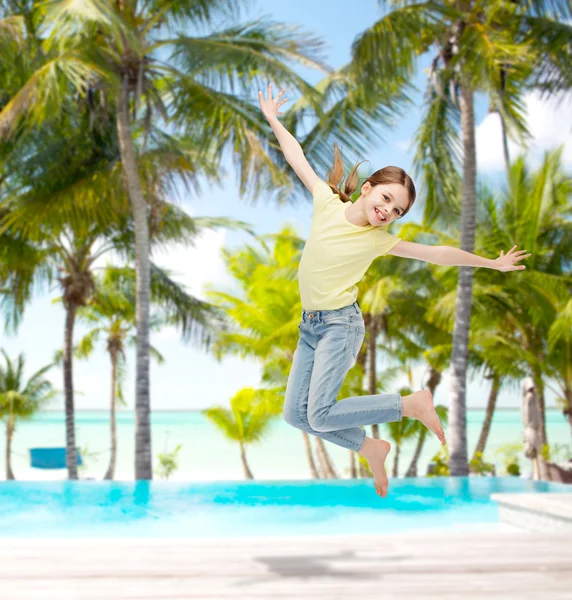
point(386, 175)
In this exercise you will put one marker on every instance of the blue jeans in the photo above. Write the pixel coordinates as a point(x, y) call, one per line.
point(327, 348)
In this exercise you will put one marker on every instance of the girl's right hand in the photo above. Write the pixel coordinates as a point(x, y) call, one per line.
point(270, 106)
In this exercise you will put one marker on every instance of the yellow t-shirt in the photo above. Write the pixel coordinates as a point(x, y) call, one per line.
point(337, 253)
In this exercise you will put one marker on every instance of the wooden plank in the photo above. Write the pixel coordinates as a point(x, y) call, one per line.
point(427, 565)
point(556, 505)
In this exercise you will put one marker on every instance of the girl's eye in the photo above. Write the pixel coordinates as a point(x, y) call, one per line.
point(396, 210)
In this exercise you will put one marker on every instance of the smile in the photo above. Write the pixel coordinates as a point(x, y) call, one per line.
point(379, 215)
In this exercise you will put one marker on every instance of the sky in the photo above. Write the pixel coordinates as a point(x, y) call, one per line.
point(191, 379)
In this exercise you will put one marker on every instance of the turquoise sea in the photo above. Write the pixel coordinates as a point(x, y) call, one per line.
point(207, 456)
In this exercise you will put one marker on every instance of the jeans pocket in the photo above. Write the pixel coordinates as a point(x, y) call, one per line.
point(338, 320)
point(359, 335)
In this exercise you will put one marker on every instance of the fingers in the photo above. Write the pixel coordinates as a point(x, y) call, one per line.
point(268, 98)
point(525, 256)
point(517, 252)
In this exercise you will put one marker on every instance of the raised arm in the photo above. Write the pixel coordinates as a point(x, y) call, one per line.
point(449, 255)
point(288, 143)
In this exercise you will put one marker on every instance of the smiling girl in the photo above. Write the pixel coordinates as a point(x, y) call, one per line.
point(344, 240)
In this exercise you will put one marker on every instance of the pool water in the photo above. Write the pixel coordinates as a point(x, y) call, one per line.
point(237, 508)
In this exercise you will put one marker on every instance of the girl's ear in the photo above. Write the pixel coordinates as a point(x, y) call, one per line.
point(365, 188)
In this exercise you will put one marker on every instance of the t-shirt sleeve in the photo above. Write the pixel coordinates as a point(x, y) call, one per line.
point(322, 194)
point(384, 242)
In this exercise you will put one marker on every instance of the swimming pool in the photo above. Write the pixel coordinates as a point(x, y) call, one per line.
point(237, 509)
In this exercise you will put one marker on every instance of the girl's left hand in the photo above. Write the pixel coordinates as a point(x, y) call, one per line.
point(270, 106)
point(506, 262)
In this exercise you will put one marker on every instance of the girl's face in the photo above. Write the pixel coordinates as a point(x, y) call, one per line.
point(383, 203)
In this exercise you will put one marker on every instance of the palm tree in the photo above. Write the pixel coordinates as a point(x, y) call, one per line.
point(126, 57)
point(112, 309)
point(61, 244)
point(247, 419)
point(114, 303)
point(20, 399)
point(469, 52)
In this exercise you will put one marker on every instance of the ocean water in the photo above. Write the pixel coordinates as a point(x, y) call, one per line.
point(206, 455)
point(238, 509)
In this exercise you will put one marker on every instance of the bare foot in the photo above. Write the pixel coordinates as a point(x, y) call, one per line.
point(375, 452)
point(419, 405)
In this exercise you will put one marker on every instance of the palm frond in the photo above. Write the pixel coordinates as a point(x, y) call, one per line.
point(387, 51)
point(437, 159)
point(553, 39)
point(195, 318)
point(44, 94)
point(249, 55)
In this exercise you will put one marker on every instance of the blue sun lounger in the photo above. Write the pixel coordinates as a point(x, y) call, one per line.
point(50, 458)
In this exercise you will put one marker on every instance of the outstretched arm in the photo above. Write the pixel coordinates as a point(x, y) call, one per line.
point(449, 255)
point(288, 143)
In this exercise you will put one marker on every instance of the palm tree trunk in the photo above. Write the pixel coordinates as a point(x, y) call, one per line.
point(9, 433)
point(143, 458)
point(353, 466)
point(491, 404)
point(110, 474)
point(412, 470)
point(372, 380)
point(458, 465)
point(310, 456)
point(396, 461)
point(322, 467)
point(247, 472)
point(539, 384)
point(71, 454)
point(362, 354)
point(505, 144)
point(325, 459)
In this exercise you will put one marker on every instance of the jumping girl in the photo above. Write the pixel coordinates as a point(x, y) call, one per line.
point(344, 240)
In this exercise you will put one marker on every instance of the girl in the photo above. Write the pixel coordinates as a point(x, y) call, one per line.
point(344, 239)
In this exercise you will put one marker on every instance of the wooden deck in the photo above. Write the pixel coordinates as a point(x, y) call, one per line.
point(508, 564)
point(536, 512)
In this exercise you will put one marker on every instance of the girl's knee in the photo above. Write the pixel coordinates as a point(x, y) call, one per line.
point(317, 423)
point(290, 415)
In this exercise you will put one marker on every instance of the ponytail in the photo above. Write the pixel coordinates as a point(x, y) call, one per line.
point(335, 175)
